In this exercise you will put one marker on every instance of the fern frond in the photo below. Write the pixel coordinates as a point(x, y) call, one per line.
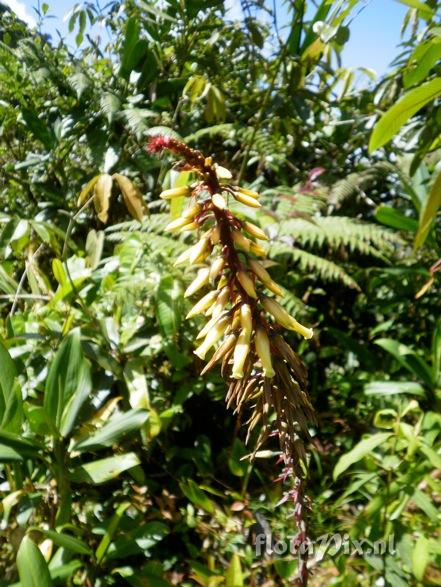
point(355, 183)
point(339, 231)
point(308, 262)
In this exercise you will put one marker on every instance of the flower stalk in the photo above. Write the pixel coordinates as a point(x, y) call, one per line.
point(245, 323)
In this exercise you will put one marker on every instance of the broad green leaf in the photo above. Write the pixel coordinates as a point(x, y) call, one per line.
point(11, 403)
point(65, 540)
point(169, 305)
point(68, 383)
point(104, 470)
point(420, 557)
point(433, 457)
point(428, 212)
point(32, 568)
point(234, 575)
point(360, 450)
point(197, 497)
point(426, 505)
point(407, 358)
point(393, 388)
point(16, 448)
point(111, 529)
point(420, 6)
point(118, 427)
point(235, 464)
point(394, 118)
point(391, 217)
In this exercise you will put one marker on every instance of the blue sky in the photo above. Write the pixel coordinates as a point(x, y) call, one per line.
point(375, 30)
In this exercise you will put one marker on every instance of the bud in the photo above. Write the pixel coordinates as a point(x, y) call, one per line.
point(204, 303)
point(221, 352)
point(284, 319)
point(216, 267)
point(215, 235)
point(263, 350)
point(200, 281)
point(246, 321)
point(247, 200)
point(247, 192)
point(265, 277)
point(175, 192)
point(183, 258)
point(222, 172)
point(221, 301)
point(177, 224)
point(240, 240)
point(247, 283)
point(199, 251)
point(222, 282)
point(257, 250)
point(209, 325)
point(241, 351)
point(191, 226)
point(212, 337)
point(255, 231)
point(192, 211)
point(219, 201)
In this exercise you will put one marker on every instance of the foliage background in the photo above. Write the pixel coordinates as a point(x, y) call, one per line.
point(118, 460)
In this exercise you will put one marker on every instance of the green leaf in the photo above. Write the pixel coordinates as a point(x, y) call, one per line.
point(169, 305)
point(236, 466)
point(391, 217)
point(360, 450)
point(420, 6)
point(118, 427)
point(407, 358)
point(111, 529)
point(68, 383)
point(14, 447)
point(433, 457)
point(104, 470)
point(65, 541)
point(426, 505)
point(32, 568)
point(192, 492)
point(420, 557)
point(10, 395)
point(393, 388)
point(394, 118)
point(428, 212)
point(234, 576)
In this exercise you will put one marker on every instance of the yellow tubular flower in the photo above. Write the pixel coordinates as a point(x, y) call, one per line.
point(212, 337)
point(240, 240)
point(183, 258)
point(192, 211)
point(215, 235)
point(284, 319)
point(216, 268)
point(247, 283)
point(219, 201)
point(191, 226)
point(177, 224)
point(246, 321)
point(265, 277)
point(208, 326)
point(263, 350)
point(241, 351)
point(175, 192)
point(247, 192)
point(257, 250)
point(247, 200)
point(202, 305)
point(221, 302)
point(255, 231)
point(200, 281)
point(198, 251)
